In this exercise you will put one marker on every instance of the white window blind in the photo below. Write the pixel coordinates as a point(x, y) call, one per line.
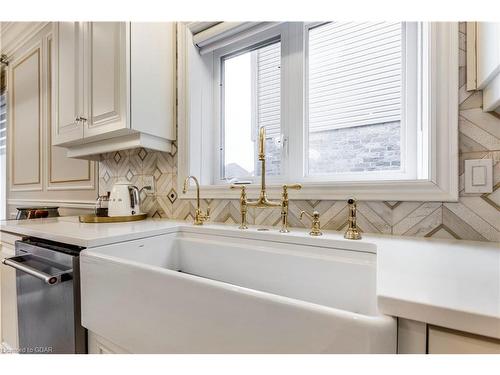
point(3, 123)
point(209, 36)
point(267, 65)
point(3, 104)
point(354, 74)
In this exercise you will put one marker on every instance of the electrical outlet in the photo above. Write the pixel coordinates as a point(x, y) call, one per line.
point(149, 181)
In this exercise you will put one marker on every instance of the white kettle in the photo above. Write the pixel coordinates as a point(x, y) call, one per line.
point(124, 200)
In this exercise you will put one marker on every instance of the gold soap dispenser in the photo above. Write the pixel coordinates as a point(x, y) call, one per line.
point(315, 223)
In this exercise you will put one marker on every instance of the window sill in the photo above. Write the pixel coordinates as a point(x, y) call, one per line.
point(419, 190)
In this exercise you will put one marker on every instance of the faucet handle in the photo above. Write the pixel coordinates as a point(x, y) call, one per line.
point(243, 195)
point(201, 216)
point(316, 225)
point(292, 186)
point(238, 186)
point(284, 195)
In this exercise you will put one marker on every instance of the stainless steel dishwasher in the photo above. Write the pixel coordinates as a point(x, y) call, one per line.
point(48, 297)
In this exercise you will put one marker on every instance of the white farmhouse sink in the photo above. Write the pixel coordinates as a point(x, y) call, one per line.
point(211, 293)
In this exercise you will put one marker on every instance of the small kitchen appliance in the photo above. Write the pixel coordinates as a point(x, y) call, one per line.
point(124, 200)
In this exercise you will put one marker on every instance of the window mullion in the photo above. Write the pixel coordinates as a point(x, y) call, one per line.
point(293, 100)
point(410, 104)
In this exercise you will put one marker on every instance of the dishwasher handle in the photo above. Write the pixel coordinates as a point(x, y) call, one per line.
point(45, 277)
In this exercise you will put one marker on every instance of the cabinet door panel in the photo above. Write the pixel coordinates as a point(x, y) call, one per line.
point(68, 73)
point(9, 339)
point(64, 173)
point(99, 345)
point(69, 174)
point(445, 341)
point(153, 78)
point(26, 121)
point(106, 97)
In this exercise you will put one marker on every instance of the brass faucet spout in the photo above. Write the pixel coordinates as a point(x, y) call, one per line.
point(200, 217)
point(186, 186)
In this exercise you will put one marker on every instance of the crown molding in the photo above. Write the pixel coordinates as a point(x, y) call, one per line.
point(14, 34)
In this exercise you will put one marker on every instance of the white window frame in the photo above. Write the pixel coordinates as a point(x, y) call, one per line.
point(439, 112)
point(408, 124)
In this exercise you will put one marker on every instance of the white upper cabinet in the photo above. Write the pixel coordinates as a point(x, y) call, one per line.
point(106, 94)
point(488, 67)
point(115, 86)
point(152, 68)
point(483, 62)
point(68, 82)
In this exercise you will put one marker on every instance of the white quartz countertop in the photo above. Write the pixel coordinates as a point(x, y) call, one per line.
point(69, 230)
point(449, 283)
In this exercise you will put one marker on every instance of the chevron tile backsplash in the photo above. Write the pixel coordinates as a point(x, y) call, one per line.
point(473, 217)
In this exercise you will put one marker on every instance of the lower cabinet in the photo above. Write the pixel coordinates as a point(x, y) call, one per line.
point(412, 337)
point(8, 295)
point(99, 345)
point(447, 341)
point(422, 338)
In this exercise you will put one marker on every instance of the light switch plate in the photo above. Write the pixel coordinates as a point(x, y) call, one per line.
point(478, 176)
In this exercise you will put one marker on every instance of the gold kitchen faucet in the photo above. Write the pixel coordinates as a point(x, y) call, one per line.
point(199, 216)
point(263, 201)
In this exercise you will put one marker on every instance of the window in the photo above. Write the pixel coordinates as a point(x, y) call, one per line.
point(251, 99)
point(354, 92)
point(352, 101)
point(349, 107)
